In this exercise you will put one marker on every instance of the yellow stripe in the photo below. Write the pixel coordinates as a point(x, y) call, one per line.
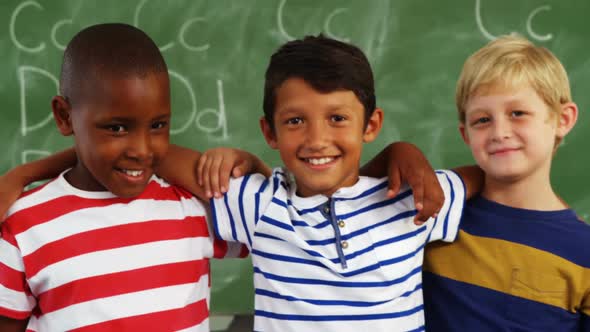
point(512, 268)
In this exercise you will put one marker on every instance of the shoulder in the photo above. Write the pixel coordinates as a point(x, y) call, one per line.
point(279, 181)
point(159, 192)
point(37, 196)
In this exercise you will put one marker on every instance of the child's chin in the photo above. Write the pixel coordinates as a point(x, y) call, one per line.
point(129, 192)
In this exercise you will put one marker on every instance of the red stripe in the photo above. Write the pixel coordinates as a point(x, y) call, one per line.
point(41, 213)
point(244, 252)
point(13, 279)
point(114, 237)
point(122, 283)
point(14, 314)
point(7, 234)
point(169, 320)
point(219, 248)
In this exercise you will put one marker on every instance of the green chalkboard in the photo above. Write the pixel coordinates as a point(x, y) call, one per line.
point(217, 52)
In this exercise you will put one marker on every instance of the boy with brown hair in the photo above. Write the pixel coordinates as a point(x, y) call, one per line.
point(520, 262)
point(331, 250)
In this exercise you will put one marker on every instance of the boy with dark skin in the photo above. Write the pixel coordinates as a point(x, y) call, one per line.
point(107, 245)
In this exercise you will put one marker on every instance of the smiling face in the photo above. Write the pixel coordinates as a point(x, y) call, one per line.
point(121, 132)
point(320, 136)
point(511, 133)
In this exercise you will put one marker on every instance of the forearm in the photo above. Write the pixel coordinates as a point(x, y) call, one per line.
point(378, 166)
point(179, 167)
point(473, 178)
point(208, 174)
point(45, 168)
point(260, 167)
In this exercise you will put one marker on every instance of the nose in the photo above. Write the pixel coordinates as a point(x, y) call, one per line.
point(140, 146)
point(501, 129)
point(316, 135)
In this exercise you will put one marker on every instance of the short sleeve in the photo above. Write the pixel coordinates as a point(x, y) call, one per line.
point(445, 226)
point(236, 214)
point(16, 301)
point(193, 206)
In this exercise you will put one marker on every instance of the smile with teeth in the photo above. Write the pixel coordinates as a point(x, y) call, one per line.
point(131, 172)
point(319, 161)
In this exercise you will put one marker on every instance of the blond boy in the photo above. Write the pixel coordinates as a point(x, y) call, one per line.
point(519, 262)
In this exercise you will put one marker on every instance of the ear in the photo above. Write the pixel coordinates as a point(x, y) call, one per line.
point(566, 119)
point(373, 126)
point(463, 132)
point(268, 132)
point(61, 113)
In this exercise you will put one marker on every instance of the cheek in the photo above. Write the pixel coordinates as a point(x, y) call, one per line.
point(476, 141)
point(160, 145)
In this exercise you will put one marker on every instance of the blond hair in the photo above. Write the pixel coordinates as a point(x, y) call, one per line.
point(510, 61)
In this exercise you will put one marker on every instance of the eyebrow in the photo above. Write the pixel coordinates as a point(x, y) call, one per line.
point(126, 119)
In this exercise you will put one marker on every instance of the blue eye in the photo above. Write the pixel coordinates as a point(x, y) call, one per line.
point(481, 120)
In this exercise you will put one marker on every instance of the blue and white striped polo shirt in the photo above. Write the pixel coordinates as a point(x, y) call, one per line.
point(350, 262)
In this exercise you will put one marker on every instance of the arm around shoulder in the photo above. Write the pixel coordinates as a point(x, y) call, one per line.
point(473, 178)
point(14, 181)
point(208, 173)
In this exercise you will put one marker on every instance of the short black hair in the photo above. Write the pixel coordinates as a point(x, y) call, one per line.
point(326, 64)
point(110, 50)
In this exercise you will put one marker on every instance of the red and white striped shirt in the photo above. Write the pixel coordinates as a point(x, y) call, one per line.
point(91, 261)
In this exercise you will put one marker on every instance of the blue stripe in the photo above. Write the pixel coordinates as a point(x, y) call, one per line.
point(267, 236)
point(387, 262)
point(277, 223)
point(257, 200)
point(348, 317)
point(231, 219)
point(215, 221)
point(350, 284)
point(366, 192)
point(241, 207)
point(557, 232)
point(284, 258)
point(275, 184)
point(264, 292)
point(377, 205)
point(279, 202)
point(478, 308)
point(451, 204)
point(301, 223)
point(306, 211)
point(419, 329)
point(351, 235)
point(401, 237)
